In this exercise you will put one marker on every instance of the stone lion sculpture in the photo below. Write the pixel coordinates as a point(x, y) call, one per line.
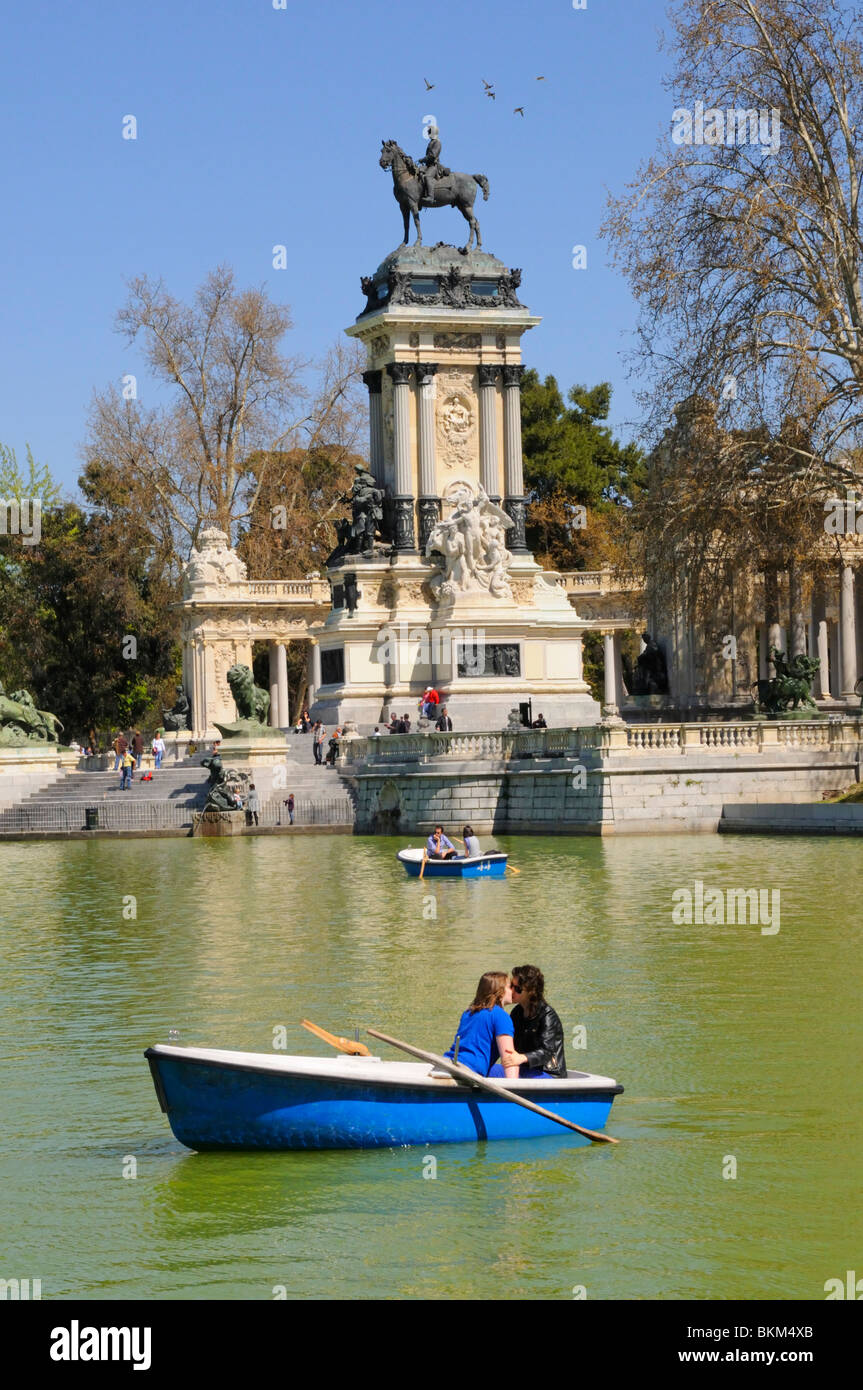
point(252, 702)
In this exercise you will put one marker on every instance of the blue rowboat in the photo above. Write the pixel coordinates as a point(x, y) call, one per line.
point(483, 866)
point(255, 1100)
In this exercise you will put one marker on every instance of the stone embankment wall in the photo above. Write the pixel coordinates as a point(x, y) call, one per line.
point(604, 780)
point(830, 818)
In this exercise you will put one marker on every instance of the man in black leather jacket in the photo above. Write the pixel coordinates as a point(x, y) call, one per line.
point(538, 1039)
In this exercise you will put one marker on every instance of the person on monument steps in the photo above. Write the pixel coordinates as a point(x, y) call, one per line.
point(333, 748)
point(429, 703)
point(127, 765)
point(120, 744)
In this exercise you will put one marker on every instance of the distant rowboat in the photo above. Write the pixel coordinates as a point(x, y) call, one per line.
point(482, 866)
point(251, 1100)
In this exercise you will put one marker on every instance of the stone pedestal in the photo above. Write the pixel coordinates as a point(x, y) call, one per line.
point(217, 824)
point(484, 655)
point(485, 626)
point(254, 752)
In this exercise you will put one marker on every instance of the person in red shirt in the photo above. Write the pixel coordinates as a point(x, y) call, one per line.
point(431, 700)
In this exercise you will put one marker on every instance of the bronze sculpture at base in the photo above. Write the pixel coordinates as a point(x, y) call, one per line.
point(21, 722)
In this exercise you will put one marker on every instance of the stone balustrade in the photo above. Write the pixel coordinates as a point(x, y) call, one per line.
point(623, 740)
point(286, 590)
point(600, 582)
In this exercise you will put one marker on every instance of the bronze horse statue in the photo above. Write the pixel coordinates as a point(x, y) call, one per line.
point(453, 190)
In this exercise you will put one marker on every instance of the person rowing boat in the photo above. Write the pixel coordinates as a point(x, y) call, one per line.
point(438, 846)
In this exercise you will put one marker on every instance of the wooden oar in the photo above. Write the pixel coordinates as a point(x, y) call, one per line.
point(462, 1073)
point(423, 869)
point(513, 868)
point(354, 1049)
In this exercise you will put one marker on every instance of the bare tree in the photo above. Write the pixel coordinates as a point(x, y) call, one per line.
point(723, 504)
point(741, 237)
point(235, 401)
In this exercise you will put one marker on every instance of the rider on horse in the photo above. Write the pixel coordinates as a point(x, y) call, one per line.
point(432, 169)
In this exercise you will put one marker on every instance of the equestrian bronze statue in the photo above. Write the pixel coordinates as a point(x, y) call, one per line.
point(429, 184)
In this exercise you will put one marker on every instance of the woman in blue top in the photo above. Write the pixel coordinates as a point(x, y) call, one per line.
point(485, 1029)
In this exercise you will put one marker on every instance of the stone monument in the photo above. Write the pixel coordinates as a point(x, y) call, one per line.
point(432, 580)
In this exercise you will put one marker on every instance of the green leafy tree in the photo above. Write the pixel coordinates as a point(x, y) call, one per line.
point(87, 624)
point(36, 482)
point(579, 479)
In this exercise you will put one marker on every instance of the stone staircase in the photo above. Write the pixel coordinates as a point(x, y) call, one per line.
point(182, 783)
point(174, 794)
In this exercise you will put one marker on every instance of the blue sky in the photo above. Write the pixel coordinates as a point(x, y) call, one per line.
point(260, 126)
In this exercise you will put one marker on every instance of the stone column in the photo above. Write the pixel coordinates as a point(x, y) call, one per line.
point(513, 503)
point(274, 685)
point(620, 691)
point(823, 676)
point(488, 466)
point(201, 707)
point(403, 504)
point(847, 634)
point(771, 618)
point(376, 425)
point(812, 633)
point(429, 502)
point(833, 647)
point(795, 612)
point(190, 662)
point(282, 678)
point(313, 676)
point(858, 623)
point(609, 708)
point(188, 676)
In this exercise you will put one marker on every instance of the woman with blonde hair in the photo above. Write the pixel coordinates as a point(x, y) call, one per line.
point(485, 1029)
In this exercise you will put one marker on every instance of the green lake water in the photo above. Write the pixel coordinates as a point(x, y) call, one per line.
point(731, 1043)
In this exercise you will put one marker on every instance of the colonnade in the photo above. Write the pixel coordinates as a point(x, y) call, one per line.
point(280, 711)
point(814, 629)
point(400, 478)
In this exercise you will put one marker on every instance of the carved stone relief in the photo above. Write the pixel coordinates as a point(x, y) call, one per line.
point(458, 342)
point(456, 419)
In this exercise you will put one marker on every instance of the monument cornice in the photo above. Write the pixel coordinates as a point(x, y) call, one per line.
point(480, 320)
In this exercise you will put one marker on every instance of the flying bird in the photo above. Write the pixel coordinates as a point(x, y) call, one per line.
point(429, 85)
point(540, 79)
point(488, 85)
point(493, 95)
point(519, 109)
